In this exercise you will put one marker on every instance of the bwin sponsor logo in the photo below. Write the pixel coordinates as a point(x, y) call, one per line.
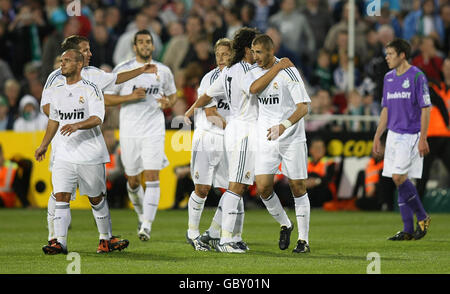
point(152, 90)
point(269, 100)
point(76, 114)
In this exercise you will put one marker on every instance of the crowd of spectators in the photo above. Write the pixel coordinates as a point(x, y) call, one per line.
point(312, 33)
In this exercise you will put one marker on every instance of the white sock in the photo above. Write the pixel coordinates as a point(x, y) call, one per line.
point(302, 212)
point(151, 201)
point(102, 219)
point(216, 223)
point(276, 210)
point(61, 221)
point(229, 214)
point(50, 215)
point(239, 225)
point(136, 197)
point(195, 209)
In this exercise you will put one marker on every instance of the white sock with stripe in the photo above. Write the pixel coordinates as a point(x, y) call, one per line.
point(229, 214)
point(61, 221)
point(50, 216)
point(216, 224)
point(302, 213)
point(151, 201)
point(239, 225)
point(136, 197)
point(276, 210)
point(195, 209)
point(102, 219)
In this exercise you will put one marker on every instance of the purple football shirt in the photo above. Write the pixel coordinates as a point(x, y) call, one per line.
point(405, 96)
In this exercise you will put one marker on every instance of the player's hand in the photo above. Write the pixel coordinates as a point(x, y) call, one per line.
point(164, 102)
point(424, 149)
point(285, 63)
point(149, 68)
point(376, 148)
point(275, 132)
point(138, 93)
point(69, 129)
point(39, 154)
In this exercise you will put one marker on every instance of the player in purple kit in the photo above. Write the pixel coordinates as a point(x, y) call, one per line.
point(406, 114)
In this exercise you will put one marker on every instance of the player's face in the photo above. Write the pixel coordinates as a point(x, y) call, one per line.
point(223, 55)
point(143, 46)
point(69, 65)
point(262, 56)
point(85, 49)
point(392, 58)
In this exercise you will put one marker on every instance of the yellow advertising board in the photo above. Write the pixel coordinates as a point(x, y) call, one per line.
point(177, 148)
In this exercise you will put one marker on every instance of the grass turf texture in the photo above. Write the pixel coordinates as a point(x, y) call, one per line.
point(340, 243)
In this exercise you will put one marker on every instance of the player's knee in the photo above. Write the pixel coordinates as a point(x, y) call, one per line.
point(202, 190)
point(133, 182)
point(62, 197)
point(95, 200)
point(399, 179)
point(298, 187)
point(264, 190)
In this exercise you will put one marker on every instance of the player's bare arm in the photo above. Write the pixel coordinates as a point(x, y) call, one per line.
point(46, 109)
point(90, 123)
point(113, 100)
point(52, 128)
point(167, 102)
point(276, 131)
point(380, 130)
point(424, 149)
point(260, 84)
point(129, 74)
point(200, 102)
point(215, 118)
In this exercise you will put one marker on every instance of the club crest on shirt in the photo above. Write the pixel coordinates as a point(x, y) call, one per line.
point(247, 175)
point(275, 86)
point(81, 100)
point(196, 175)
point(405, 84)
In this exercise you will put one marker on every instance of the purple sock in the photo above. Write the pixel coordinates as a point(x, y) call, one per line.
point(407, 217)
point(408, 194)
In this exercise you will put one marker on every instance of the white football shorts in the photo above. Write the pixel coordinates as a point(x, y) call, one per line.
point(208, 161)
point(293, 158)
point(90, 179)
point(401, 155)
point(240, 146)
point(139, 154)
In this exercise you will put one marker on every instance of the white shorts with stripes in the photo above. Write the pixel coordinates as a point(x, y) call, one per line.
point(208, 161)
point(293, 158)
point(401, 155)
point(90, 179)
point(240, 145)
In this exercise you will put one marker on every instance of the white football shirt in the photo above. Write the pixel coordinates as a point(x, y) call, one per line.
point(144, 117)
point(277, 102)
point(231, 85)
point(220, 102)
point(75, 103)
point(102, 79)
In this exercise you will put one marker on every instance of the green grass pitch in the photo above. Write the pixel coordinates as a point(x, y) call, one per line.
point(340, 243)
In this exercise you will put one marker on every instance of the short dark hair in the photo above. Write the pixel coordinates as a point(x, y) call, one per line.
point(264, 40)
point(142, 32)
point(400, 46)
point(73, 42)
point(78, 56)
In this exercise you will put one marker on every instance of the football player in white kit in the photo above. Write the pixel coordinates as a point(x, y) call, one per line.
point(281, 140)
point(102, 80)
point(76, 112)
point(142, 130)
point(208, 160)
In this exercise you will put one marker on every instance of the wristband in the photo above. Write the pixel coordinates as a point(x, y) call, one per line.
point(286, 123)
